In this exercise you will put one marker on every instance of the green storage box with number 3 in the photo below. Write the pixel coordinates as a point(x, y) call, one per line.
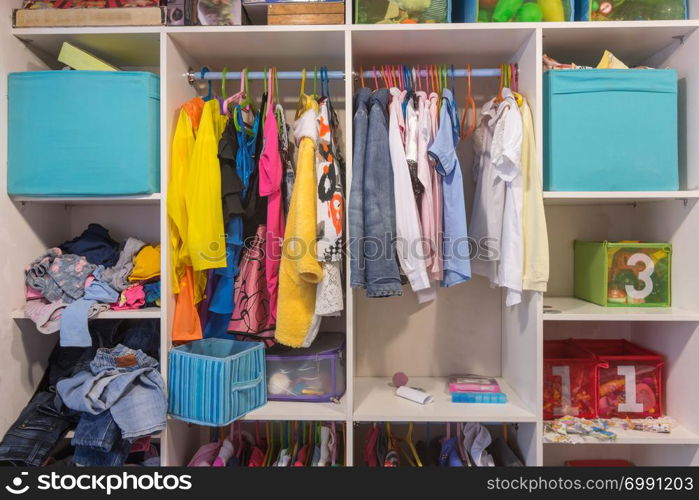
point(623, 274)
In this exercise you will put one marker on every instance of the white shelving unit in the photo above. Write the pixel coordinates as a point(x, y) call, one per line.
point(145, 313)
point(468, 328)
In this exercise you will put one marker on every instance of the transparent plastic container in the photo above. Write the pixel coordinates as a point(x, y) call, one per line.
point(402, 11)
point(314, 374)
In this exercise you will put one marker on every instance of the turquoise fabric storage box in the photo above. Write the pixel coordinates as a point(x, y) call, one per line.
point(83, 133)
point(610, 130)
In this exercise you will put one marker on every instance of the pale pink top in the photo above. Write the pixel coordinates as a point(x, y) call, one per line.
point(428, 227)
point(436, 271)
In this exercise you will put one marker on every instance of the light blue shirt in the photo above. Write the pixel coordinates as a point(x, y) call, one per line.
point(457, 260)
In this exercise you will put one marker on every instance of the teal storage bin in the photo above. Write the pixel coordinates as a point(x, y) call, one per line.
point(83, 133)
point(610, 130)
point(216, 381)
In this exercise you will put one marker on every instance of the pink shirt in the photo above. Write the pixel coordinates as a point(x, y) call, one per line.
point(436, 271)
point(270, 166)
point(428, 227)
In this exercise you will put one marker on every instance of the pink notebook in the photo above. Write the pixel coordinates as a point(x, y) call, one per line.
point(473, 383)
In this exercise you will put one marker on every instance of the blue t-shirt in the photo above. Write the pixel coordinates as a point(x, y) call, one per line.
point(457, 260)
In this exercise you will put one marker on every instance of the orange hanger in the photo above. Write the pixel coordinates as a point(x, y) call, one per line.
point(466, 132)
point(361, 75)
point(499, 97)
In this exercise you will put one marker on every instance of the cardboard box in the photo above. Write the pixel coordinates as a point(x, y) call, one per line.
point(306, 13)
point(128, 16)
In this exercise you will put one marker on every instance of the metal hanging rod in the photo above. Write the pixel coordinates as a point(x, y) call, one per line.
point(192, 76)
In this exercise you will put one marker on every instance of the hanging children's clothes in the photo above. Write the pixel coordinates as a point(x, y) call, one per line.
point(536, 247)
point(300, 271)
point(329, 218)
point(498, 201)
point(457, 262)
point(437, 270)
point(378, 209)
point(205, 230)
point(426, 204)
point(407, 225)
point(360, 125)
point(270, 166)
point(251, 311)
point(287, 156)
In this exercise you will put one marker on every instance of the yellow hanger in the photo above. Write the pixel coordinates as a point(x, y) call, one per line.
point(409, 440)
point(224, 72)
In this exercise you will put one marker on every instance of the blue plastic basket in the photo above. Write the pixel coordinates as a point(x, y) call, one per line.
point(216, 381)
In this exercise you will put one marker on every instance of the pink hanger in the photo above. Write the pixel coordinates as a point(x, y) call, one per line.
point(376, 80)
point(235, 98)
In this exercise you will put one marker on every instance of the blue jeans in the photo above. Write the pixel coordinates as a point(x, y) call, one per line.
point(382, 273)
point(35, 433)
point(125, 382)
point(98, 441)
point(356, 202)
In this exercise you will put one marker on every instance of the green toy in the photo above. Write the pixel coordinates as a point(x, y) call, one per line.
point(529, 13)
point(505, 10)
point(485, 16)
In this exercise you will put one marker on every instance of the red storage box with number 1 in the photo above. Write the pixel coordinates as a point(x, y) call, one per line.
point(629, 377)
point(570, 380)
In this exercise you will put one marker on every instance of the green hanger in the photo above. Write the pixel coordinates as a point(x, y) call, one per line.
point(224, 72)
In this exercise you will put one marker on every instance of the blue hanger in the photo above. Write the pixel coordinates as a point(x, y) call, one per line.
point(210, 95)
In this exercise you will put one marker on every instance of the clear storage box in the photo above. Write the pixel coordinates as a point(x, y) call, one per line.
point(402, 11)
point(313, 374)
point(570, 380)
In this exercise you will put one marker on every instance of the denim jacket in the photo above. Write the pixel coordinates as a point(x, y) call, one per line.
point(382, 273)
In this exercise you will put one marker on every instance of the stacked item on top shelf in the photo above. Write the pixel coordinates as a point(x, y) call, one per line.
point(408, 210)
point(475, 389)
point(86, 276)
point(48, 13)
point(204, 12)
point(111, 393)
point(528, 11)
point(471, 445)
point(233, 174)
point(630, 10)
point(635, 109)
point(277, 444)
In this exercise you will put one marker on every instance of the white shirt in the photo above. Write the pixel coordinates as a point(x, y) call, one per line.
point(498, 204)
point(407, 224)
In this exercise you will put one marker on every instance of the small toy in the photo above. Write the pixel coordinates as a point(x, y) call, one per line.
point(279, 383)
point(505, 10)
point(529, 13)
point(400, 379)
point(552, 10)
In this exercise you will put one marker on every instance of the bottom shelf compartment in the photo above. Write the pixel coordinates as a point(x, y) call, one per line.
point(452, 444)
point(643, 455)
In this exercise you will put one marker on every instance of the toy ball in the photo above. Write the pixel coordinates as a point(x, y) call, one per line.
point(606, 8)
point(279, 383)
point(487, 4)
point(400, 379)
point(530, 13)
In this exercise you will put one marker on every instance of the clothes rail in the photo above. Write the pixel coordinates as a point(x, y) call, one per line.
point(331, 75)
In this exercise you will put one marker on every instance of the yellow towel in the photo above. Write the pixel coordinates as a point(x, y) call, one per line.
point(300, 271)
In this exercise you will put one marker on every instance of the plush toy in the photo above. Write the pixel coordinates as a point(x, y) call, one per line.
point(405, 11)
point(505, 10)
point(553, 10)
point(529, 13)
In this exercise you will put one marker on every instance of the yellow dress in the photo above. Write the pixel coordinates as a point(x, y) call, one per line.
point(300, 271)
point(205, 236)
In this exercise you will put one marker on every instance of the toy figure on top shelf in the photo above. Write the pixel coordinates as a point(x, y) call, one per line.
point(637, 10)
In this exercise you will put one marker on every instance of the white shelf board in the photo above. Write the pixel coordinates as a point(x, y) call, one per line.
point(292, 410)
point(572, 309)
point(679, 435)
point(145, 313)
point(375, 400)
point(614, 197)
point(92, 200)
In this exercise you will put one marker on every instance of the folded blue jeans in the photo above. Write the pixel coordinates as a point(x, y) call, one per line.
point(86, 456)
point(125, 382)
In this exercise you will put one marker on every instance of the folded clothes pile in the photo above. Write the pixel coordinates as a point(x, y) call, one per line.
point(112, 391)
point(87, 275)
